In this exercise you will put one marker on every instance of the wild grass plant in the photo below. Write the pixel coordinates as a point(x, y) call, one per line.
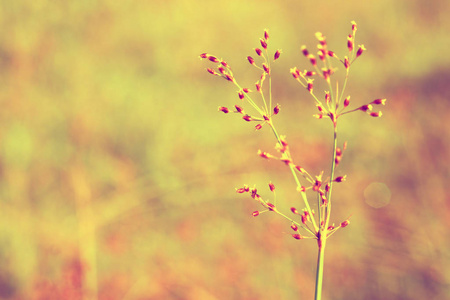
point(305, 221)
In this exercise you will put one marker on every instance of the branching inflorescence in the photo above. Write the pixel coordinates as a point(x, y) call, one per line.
point(315, 225)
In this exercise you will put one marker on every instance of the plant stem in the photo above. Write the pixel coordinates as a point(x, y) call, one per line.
point(322, 239)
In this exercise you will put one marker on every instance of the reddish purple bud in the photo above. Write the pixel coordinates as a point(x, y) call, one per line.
point(255, 213)
point(258, 127)
point(204, 55)
point(251, 60)
point(241, 95)
point(266, 118)
point(347, 101)
point(301, 170)
point(239, 109)
point(376, 114)
point(270, 206)
point(264, 154)
point(266, 34)
point(258, 87)
point(361, 49)
point(229, 77)
point(263, 43)
point(297, 236)
point(310, 86)
point(312, 59)
point(331, 54)
point(379, 101)
point(224, 109)
point(350, 42)
point(212, 71)
point(340, 178)
point(266, 68)
point(277, 55)
point(225, 64)
point(304, 219)
point(245, 90)
point(221, 70)
point(244, 189)
point(346, 63)
point(310, 73)
point(345, 223)
point(354, 28)
point(271, 187)
point(276, 109)
point(366, 108)
point(304, 50)
point(294, 227)
point(247, 118)
point(294, 210)
point(213, 58)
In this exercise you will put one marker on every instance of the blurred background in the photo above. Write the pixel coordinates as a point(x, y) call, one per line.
point(117, 173)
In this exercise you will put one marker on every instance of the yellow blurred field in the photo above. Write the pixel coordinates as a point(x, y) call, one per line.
point(118, 175)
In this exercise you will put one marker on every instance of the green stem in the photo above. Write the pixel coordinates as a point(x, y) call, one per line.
point(322, 239)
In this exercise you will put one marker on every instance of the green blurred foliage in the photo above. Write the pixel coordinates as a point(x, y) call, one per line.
point(117, 173)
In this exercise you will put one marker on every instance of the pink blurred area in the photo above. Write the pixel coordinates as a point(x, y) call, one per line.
point(118, 175)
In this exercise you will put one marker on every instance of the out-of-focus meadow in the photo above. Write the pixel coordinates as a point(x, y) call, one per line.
point(117, 173)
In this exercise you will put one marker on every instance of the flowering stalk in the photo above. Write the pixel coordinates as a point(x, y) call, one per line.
point(315, 225)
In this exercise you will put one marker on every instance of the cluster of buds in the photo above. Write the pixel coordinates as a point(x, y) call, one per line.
point(268, 206)
point(222, 68)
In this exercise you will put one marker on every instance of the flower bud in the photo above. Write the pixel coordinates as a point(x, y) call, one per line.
point(365, 108)
point(271, 186)
point(223, 109)
point(263, 43)
point(345, 223)
point(276, 109)
point(340, 178)
point(266, 34)
point(258, 51)
point(361, 49)
point(379, 101)
point(255, 213)
point(304, 50)
point(241, 95)
point(294, 227)
point(277, 55)
point(239, 109)
point(376, 114)
point(347, 101)
point(247, 118)
point(297, 236)
point(204, 55)
point(312, 59)
point(266, 68)
point(350, 42)
point(270, 206)
point(258, 127)
point(294, 210)
point(251, 60)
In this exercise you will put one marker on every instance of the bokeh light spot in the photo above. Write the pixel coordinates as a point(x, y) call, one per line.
point(377, 194)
